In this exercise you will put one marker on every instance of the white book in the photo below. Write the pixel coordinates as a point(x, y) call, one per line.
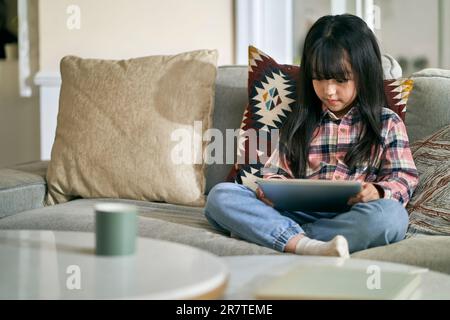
point(339, 282)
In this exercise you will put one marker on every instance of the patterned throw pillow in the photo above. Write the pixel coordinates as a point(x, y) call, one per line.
point(397, 93)
point(429, 208)
point(272, 93)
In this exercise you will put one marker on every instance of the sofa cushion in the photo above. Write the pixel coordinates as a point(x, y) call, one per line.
point(429, 207)
point(22, 188)
point(428, 104)
point(430, 252)
point(38, 168)
point(391, 68)
point(272, 93)
point(181, 224)
point(126, 128)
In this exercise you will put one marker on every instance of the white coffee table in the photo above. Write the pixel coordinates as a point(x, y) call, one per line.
point(248, 272)
point(63, 265)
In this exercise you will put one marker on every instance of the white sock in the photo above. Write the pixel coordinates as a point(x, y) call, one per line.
point(337, 247)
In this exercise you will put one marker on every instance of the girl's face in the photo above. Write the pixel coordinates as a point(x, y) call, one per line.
point(336, 95)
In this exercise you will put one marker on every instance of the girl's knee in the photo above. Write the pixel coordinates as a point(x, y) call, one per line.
point(224, 189)
point(221, 194)
point(385, 212)
point(214, 223)
point(216, 192)
point(394, 220)
point(227, 186)
point(214, 201)
point(385, 220)
point(394, 214)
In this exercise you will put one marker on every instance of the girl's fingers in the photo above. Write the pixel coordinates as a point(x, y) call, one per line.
point(366, 195)
point(352, 201)
point(362, 196)
point(268, 202)
point(260, 196)
point(258, 192)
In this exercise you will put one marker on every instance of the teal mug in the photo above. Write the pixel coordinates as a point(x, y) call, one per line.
point(115, 229)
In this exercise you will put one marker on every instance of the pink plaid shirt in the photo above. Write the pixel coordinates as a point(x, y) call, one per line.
point(395, 171)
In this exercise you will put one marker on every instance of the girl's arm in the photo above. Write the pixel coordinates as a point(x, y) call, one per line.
point(398, 176)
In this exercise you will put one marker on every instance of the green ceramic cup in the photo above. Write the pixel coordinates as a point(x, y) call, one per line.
point(115, 229)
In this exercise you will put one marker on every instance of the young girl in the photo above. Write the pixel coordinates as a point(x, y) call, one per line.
point(340, 130)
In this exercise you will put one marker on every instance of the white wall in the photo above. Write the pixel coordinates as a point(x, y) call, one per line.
point(410, 29)
point(306, 12)
point(19, 117)
point(119, 29)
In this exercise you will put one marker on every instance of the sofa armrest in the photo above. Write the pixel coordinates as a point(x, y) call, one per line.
point(22, 187)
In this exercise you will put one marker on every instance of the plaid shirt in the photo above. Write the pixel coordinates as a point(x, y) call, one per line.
point(394, 171)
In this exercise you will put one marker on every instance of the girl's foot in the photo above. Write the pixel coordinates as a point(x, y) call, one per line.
point(337, 247)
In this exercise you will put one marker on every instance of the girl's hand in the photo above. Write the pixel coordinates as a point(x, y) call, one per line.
point(260, 196)
point(368, 193)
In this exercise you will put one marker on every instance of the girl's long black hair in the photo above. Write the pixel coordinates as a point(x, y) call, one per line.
point(331, 41)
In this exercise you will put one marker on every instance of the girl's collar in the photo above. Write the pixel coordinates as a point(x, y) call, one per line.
point(326, 113)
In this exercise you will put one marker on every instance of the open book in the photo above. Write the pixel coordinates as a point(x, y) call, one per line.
point(333, 282)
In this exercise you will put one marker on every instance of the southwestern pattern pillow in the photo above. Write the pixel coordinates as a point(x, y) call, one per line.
point(397, 93)
point(429, 208)
point(272, 93)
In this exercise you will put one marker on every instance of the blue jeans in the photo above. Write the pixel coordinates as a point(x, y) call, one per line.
point(234, 208)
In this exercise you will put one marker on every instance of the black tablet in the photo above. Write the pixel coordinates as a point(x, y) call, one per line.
point(309, 195)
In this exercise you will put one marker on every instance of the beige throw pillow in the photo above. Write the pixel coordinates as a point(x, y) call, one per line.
point(114, 136)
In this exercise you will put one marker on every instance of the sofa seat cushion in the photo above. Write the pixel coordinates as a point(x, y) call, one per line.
point(426, 251)
point(21, 188)
point(188, 225)
point(181, 224)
